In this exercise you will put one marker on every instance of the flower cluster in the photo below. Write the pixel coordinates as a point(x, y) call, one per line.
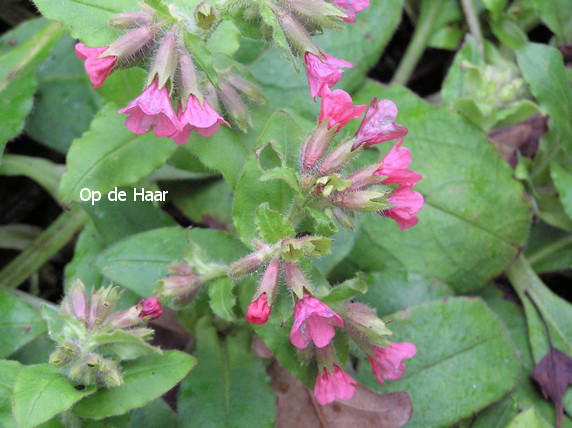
point(93, 338)
point(394, 196)
point(315, 321)
point(173, 80)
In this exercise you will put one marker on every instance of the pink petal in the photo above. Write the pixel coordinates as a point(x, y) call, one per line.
point(323, 72)
point(338, 108)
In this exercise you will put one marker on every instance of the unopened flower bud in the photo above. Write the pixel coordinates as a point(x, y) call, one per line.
point(59, 359)
point(246, 88)
point(151, 308)
point(127, 318)
point(248, 264)
point(187, 77)
point(165, 63)
point(182, 286)
point(75, 303)
point(205, 15)
point(364, 177)
point(344, 218)
point(130, 43)
point(295, 279)
point(337, 158)
point(78, 371)
point(102, 303)
point(269, 281)
point(296, 34)
point(258, 310)
point(110, 375)
point(363, 200)
point(366, 323)
point(318, 12)
point(326, 357)
point(316, 145)
point(94, 361)
point(127, 20)
point(235, 106)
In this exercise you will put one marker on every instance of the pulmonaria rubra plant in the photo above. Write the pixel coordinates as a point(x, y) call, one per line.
point(93, 338)
point(325, 190)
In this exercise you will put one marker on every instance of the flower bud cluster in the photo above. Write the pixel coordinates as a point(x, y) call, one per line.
point(92, 338)
point(384, 187)
point(179, 96)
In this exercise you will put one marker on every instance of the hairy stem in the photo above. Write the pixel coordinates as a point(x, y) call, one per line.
point(418, 44)
point(43, 248)
point(550, 249)
point(473, 23)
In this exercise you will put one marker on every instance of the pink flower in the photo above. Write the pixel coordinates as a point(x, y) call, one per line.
point(338, 385)
point(388, 362)
point(407, 205)
point(323, 72)
point(395, 165)
point(97, 68)
point(338, 108)
point(379, 124)
point(313, 321)
point(152, 108)
point(204, 120)
point(150, 307)
point(351, 7)
point(258, 310)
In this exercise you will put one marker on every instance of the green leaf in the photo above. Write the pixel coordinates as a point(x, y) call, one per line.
point(126, 346)
point(140, 261)
point(549, 249)
point(144, 380)
point(19, 324)
point(222, 298)
point(8, 372)
point(556, 15)
point(286, 174)
point(42, 392)
point(155, 414)
point(528, 418)
point(17, 236)
point(250, 191)
point(18, 80)
point(225, 39)
point(361, 44)
point(562, 178)
point(475, 218)
point(346, 290)
point(82, 266)
point(391, 291)
point(229, 387)
point(278, 37)
point(109, 155)
point(87, 21)
point(471, 365)
point(271, 225)
point(543, 69)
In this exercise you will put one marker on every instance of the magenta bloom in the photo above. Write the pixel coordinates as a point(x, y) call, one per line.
point(150, 307)
point(395, 167)
point(152, 108)
point(97, 68)
point(388, 362)
point(204, 120)
point(338, 385)
point(379, 124)
point(323, 72)
point(407, 204)
point(313, 321)
point(351, 7)
point(258, 310)
point(338, 108)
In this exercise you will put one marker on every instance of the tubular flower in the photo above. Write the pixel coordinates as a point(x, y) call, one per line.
point(97, 68)
point(202, 119)
point(313, 321)
point(324, 72)
point(407, 204)
point(258, 310)
point(379, 124)
point(152, 108)
point(338, 385)
point(338, 109)
point(351, 7)
point(150, 307)
point(388, 362)
point(395, 167)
